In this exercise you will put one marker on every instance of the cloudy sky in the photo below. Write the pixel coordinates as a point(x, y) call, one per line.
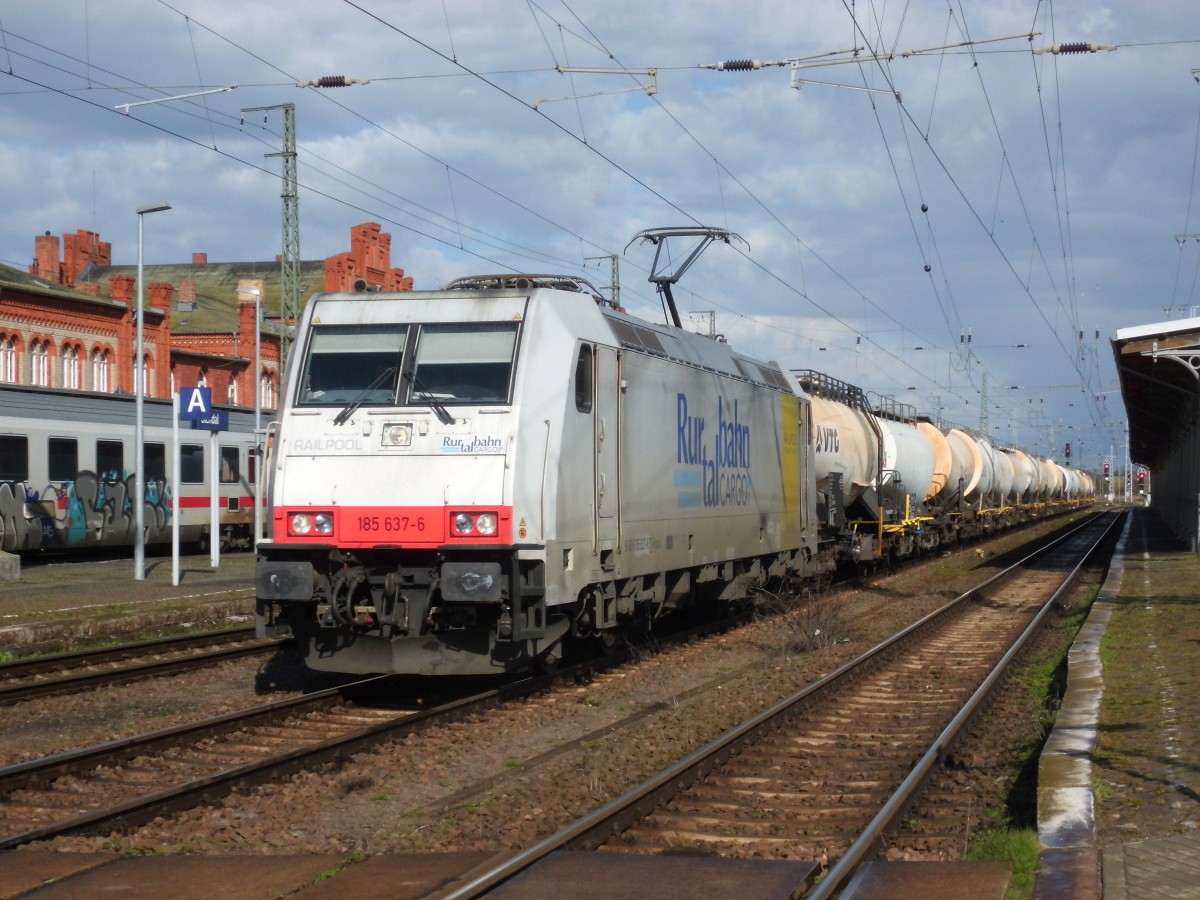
point(942, 226)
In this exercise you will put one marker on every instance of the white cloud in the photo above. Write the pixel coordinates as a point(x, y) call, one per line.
point(1054, 184)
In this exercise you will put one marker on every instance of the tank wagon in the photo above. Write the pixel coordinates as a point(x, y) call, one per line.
point(890, 483)
point(67, 477)
point(462, 480)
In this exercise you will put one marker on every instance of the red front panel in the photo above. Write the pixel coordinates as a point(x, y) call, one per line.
point(410, 526)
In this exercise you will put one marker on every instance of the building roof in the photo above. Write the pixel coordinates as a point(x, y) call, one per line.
point(1158, 366)
point(215, 307)
point(23, 281)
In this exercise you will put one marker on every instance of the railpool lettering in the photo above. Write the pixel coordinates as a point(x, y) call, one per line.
point(324, 445)
point(723, 456)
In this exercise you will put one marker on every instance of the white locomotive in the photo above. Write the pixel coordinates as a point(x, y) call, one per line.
point(462, 480)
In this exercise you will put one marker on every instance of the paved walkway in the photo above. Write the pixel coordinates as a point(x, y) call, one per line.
point(1081, 859)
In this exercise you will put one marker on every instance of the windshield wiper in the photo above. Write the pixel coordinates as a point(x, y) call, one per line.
point(362, 396)
point(433, 402)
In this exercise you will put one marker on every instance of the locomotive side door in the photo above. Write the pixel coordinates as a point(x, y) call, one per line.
point(606, 419)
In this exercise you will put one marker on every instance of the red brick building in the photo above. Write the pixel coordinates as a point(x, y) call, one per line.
point(69, 322)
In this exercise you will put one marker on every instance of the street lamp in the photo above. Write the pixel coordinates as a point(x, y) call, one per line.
point(257, 381)
point(139, 378)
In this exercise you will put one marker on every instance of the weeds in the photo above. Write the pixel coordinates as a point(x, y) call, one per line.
point(807, 622)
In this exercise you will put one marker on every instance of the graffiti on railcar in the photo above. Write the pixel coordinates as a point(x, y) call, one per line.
point(91, 511)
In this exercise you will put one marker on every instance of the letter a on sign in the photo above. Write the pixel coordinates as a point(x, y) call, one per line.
point(195, 403)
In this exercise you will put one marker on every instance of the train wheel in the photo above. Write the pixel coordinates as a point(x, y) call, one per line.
point(547, 663)
point(608, 640)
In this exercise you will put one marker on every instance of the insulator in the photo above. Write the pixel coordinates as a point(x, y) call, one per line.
point(332, 81)
point(739, 65)
point(1076, 47)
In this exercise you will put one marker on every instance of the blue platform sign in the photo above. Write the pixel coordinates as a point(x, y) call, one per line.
point(217, 420)
point(195, 406)
point(195, 403)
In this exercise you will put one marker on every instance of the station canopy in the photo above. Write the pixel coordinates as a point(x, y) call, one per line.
point(1159, 369)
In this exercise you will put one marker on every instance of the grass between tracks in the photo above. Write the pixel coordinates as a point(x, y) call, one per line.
point(1012, 834)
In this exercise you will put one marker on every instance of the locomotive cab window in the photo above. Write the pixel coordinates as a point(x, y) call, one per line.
point(352, 364)
point(464, 363)
point(583, 379)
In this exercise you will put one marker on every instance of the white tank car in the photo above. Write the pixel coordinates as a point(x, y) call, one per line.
point(460, 479)
point(908, 465)
point(1054, 479)
point(966, 465)
point(1024, 474)
point(985, 489)
point(1004, 475)
point(942, 462)
point(845, 443)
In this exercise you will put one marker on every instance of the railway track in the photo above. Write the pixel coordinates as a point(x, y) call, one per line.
point(63, 673)
point(827, 773)
point(125, 783)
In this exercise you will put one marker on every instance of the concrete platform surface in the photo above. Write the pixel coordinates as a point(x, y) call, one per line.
point(184, 877)
point(618, 876)
point(878, 880)
point(1153, 870)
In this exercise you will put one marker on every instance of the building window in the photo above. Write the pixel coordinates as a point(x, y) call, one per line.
point(100, 370)
point(39, 364)
point(202, 378)
point(8, 359)
point(147, 381)
point(267, 390)
point(233, 391)
point(70, 369)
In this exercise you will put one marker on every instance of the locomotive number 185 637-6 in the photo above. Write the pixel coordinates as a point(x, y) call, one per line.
point(390, 523)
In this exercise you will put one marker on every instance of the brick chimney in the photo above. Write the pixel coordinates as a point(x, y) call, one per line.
point(45, 258)
point(120, 288)
point(159, 294)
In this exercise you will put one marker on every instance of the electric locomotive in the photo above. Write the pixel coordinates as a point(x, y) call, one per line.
point(461, 480)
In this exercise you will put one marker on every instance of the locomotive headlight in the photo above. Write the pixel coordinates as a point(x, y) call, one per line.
point(485, 523)
point(397, 434)
point(312, 523)
point(462, 523)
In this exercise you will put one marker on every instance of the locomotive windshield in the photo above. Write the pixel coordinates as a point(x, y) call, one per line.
point(465, 362)
point(366, 365)
point(351, 363)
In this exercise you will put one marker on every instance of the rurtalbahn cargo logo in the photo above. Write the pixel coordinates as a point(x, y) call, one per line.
point(717, 462)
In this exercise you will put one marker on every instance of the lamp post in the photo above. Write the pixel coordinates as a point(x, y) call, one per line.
point(139, 377)
point(257, 382)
